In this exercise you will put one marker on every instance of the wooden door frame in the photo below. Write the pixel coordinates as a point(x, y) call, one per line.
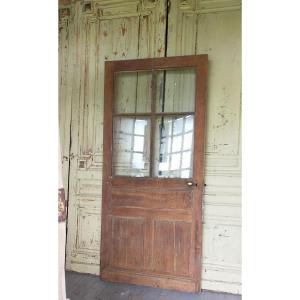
point(200, 63)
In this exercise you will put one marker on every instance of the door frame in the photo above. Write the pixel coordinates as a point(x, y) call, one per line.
point(200, 63)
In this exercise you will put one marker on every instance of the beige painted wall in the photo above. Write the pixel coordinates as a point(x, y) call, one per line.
point(92, 32)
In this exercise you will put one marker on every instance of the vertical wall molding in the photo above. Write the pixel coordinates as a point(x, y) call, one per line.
point(65, 85)
point(101, 30)
point(213, 27)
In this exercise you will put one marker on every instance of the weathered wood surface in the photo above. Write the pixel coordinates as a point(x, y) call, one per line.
point(173, 249)
point(93, 32)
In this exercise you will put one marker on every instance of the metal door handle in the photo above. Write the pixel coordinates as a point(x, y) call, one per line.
point(191, 183)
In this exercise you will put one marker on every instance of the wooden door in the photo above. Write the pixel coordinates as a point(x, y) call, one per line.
point(153, 171)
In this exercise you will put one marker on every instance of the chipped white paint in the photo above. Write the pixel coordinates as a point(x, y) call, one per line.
point(65, 86)
point(194, 30)
point(115, 29)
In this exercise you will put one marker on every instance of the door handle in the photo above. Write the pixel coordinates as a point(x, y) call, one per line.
point(191, 183)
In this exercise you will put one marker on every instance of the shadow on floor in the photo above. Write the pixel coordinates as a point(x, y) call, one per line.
point(90, 287)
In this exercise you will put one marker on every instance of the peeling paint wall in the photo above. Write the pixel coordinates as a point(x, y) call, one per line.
point(92, 32)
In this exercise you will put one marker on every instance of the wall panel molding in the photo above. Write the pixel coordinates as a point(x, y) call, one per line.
point(213, 28)
point(102, 30)
point(65, 90)
point(209, 6)
point(88, 187)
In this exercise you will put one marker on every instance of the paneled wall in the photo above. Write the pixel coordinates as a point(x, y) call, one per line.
point(93, 32)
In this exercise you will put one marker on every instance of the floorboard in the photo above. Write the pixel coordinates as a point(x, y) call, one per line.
point(90, 287)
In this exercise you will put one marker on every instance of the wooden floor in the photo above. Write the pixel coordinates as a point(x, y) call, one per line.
point(89, 287)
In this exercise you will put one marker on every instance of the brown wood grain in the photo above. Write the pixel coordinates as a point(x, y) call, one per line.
point(163, 245)
point(118, 254)
point(159, 200)
point(150, 183)
point(182, 248)
point(160, 63)
point(163, 281)
point(157, 114)
point(154, 214)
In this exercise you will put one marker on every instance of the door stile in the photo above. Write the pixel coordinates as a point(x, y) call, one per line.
point(201, 75)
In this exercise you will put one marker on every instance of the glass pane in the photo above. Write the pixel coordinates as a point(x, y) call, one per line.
point(175, 90)
point(189, 123)
point(132, 92)
point(131, 146)
point(173, 151)
point(186, 159)
point(187, 141)
point(176, 143)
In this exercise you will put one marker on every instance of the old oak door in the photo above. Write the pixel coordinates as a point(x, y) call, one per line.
point(153, 171)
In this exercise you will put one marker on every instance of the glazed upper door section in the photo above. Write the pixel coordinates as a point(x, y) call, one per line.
point(156, 91)
point(153, 123)
point(153, 171)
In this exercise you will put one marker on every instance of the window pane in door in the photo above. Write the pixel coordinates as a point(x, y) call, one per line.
point(175, 90)
point(173, 150)
point(132, 92)
point(131, 146)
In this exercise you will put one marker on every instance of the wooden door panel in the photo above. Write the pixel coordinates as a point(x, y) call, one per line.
point(182, 248)
point(127, 243)
point(118, 254)
point(135, 244)
point(154, 199)
point(172, 245)
point(182, 215)
point(163, 245)
point(166, 231)
point(172, 205)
